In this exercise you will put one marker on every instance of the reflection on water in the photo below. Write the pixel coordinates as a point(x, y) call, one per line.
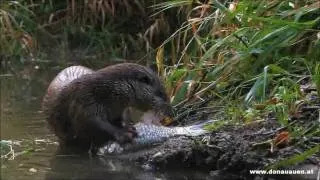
point(22, 121)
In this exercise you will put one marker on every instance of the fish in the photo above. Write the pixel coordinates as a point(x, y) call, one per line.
point(150, 135)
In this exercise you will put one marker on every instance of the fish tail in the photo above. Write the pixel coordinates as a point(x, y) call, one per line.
point(194, 130)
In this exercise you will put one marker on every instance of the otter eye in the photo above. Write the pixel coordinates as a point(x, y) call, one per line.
point(145, 79)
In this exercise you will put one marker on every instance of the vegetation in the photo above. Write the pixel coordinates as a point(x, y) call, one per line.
point(79, 31)
point(239, 60)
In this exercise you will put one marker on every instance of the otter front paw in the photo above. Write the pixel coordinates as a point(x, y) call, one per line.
point(125, 136)
point(131, 129)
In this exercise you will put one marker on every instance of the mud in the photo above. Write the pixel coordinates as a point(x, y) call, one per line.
point(231, 150)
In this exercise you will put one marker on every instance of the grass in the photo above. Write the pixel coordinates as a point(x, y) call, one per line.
point(247, 51)
point(83, 30)
point(251, 57)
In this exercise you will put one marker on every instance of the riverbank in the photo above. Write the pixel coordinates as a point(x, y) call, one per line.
point(233, 150)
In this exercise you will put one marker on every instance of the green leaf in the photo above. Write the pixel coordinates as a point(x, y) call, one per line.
point(210, 52)
point(295, 159)
point(182, 92)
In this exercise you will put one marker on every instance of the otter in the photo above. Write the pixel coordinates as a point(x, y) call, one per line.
point(87, 108)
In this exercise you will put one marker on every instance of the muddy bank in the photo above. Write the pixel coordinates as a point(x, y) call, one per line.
point(231, 150)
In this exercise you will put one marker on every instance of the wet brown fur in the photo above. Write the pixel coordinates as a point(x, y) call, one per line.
point(88, 111)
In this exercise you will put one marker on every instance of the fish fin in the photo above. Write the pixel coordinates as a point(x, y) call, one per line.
point(194, 130)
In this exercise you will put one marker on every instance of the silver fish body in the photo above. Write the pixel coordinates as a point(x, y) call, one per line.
point(149, 135)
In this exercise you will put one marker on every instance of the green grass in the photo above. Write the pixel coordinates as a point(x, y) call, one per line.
point(251, 58)
point(249, 51)
point(85, 30)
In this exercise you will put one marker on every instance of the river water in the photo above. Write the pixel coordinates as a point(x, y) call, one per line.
point(23, 123)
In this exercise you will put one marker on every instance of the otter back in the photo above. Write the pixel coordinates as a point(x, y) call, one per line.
point(60, 81)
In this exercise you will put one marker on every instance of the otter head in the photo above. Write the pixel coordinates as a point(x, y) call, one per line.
point(148, 92)
point(153, 86)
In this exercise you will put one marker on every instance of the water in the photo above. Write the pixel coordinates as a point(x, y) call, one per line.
point(36, 154)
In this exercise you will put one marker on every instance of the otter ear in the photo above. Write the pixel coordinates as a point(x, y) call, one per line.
point(153, 67)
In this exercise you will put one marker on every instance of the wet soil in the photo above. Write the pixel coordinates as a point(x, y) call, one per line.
point(233, 150)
